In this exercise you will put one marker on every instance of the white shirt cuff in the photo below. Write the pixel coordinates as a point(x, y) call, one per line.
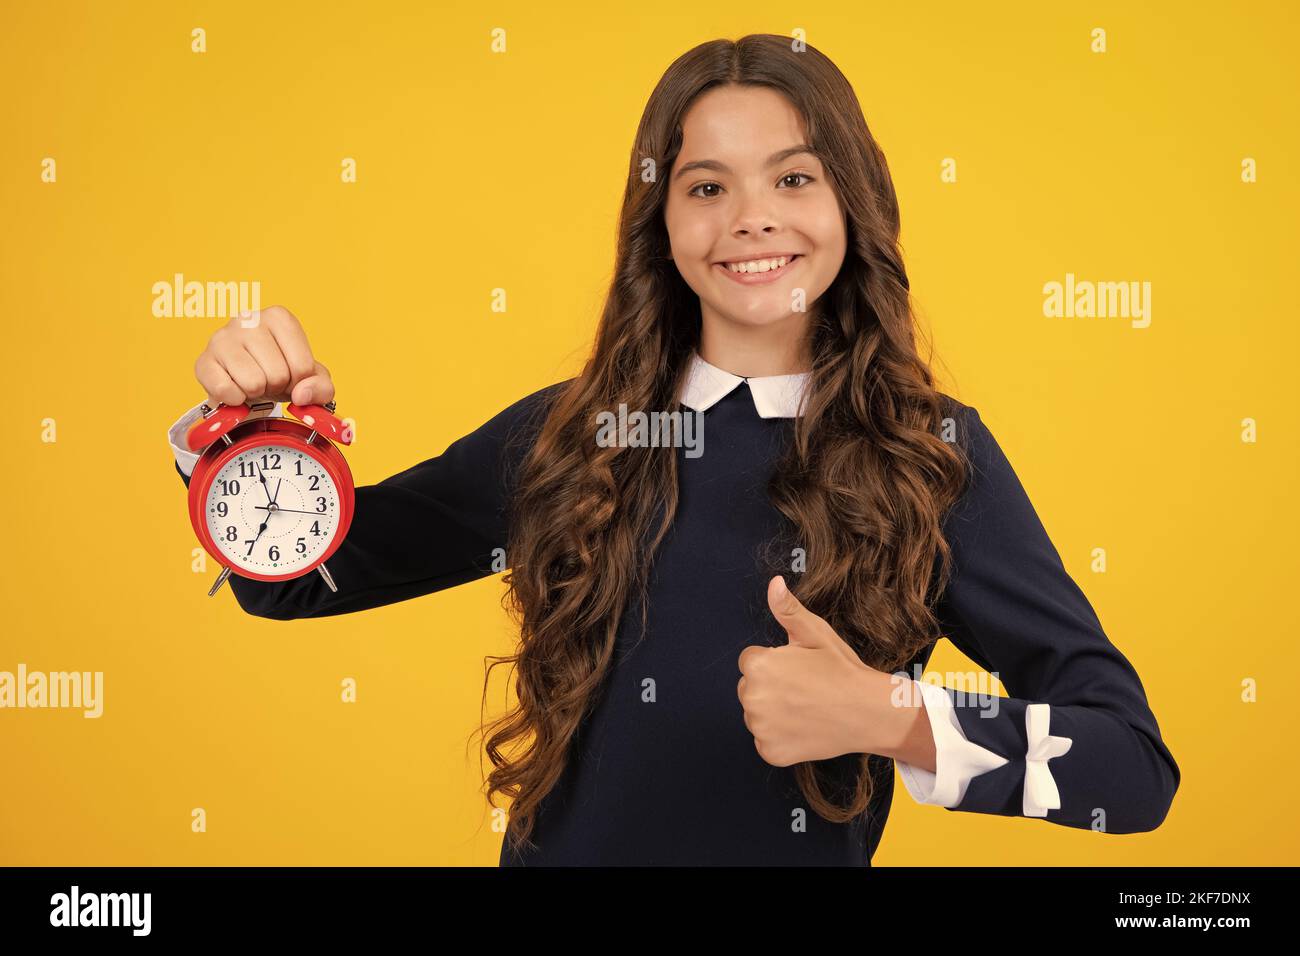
point(957, 760)
point(176, 434)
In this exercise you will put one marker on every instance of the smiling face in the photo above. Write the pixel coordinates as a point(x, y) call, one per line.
point(742, 190)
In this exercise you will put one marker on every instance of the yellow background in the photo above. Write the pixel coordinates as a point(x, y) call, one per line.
point(479, 170)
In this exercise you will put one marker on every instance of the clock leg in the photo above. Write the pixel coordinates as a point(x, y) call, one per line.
point(221, 579)
point(325, 573)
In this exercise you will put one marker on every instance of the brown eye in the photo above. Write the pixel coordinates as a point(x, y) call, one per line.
point(704, 186)
point(796, 176)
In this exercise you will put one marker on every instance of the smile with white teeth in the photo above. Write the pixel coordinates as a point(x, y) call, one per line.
point(758, 265)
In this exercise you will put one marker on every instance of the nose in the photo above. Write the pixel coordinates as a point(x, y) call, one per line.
point(754, 215)
point(763, 229)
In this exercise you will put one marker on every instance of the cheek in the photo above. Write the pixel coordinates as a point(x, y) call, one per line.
point(691, 238)
point(827, 225)
point(832, 241)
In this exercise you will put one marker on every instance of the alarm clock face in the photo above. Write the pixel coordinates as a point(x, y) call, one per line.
point(272, 509)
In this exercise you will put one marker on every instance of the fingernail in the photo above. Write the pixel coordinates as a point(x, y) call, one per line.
point(781, 589)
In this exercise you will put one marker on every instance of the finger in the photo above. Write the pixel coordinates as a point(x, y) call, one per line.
point(316, 389)
point(802, 625)
point(243, 368)
point(216, 381)
point(769, 758)
point(275, 370)
point(750, 656)
point(292, 341)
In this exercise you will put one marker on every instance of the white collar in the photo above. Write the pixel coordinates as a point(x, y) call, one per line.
point(775, 396)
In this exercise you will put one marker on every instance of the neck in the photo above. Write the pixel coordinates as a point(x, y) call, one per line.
point(778, 348)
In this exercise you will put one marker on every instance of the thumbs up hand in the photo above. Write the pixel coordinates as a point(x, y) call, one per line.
point(813, 698)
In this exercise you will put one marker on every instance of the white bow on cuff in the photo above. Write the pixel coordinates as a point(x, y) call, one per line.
point(1041, 794)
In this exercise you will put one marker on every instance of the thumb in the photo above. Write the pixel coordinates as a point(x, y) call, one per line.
point(315, 389)
point(804, 627)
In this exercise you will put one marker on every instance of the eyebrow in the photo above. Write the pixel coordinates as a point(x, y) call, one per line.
point(772, 160)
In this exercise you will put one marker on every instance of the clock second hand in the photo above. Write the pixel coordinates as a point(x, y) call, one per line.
point(290, 510)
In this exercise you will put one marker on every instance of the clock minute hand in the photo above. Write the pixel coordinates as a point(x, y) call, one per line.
point(265, 488)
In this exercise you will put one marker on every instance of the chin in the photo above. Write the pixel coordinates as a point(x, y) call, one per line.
point(759, 318)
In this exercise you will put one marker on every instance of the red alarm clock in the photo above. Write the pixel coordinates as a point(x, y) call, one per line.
point(270, 499)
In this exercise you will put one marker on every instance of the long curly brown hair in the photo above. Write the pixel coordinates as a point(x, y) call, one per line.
point(863, 485)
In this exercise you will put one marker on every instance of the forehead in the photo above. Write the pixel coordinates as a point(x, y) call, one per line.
point(739, 125)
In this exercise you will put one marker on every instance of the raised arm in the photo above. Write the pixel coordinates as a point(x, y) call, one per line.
point(432, 526)
point(435, 525)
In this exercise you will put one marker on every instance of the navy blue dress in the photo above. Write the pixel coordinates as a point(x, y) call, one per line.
point(664, 770)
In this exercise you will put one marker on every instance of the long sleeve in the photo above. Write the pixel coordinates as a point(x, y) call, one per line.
point(1079, 743)
point(435, 525)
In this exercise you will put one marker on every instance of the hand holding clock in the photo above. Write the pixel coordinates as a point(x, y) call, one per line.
point(262, 356)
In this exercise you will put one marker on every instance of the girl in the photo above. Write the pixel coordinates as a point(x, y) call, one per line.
point(718, 645)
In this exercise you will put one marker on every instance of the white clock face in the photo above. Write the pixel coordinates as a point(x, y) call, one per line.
point(272, 509)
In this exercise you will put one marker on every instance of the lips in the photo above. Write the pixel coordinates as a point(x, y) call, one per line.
point(760, 278)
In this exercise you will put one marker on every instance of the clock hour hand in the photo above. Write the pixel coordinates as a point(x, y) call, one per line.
point(259, 533)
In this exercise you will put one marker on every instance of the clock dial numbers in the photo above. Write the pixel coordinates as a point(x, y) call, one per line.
point(272, 509)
